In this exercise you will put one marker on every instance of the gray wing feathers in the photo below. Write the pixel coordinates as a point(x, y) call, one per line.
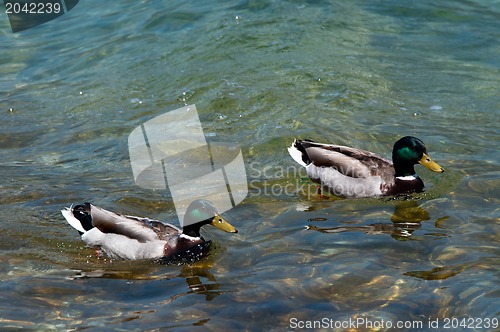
point(164, 231)
point(348, 161)
point(141, 229)
point(344, 164)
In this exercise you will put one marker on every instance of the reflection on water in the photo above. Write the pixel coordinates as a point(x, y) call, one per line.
point(437, 273)
point(262, 74)
point(193, 273)
point(405, 220)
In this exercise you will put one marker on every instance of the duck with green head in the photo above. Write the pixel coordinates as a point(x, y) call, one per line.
point(130, 237)
point(349, 172)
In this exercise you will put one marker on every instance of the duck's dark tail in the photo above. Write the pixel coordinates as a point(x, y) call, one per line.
point(298, 153)
point(79, 217)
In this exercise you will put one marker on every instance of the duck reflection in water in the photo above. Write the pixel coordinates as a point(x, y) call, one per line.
point(405, 220)
point(198, 275)
point(193, 275)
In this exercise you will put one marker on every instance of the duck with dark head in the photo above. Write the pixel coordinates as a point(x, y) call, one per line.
point(129, 237)
point(350, 172)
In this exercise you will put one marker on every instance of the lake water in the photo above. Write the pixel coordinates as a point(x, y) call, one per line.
point(260, 72)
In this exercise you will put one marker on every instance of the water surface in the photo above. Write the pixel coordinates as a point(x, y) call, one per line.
point(261, 73)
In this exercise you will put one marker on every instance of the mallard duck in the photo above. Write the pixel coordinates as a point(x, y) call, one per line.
point(130, 237)
point(350, 172)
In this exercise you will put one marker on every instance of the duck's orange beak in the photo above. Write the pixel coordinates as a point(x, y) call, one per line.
point(222, 224)
point(430, 164)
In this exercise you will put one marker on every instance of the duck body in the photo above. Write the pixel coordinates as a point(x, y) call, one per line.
point(132, 238)
point(350, 172)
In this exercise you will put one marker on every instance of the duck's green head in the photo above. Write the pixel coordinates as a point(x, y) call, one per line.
point(202, 212)
point(409, 151)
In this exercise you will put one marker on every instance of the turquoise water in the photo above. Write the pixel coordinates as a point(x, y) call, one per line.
point(260, 73)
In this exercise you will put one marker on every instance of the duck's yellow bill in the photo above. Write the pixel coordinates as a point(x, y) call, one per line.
point(430, 164)
point(222, 224)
